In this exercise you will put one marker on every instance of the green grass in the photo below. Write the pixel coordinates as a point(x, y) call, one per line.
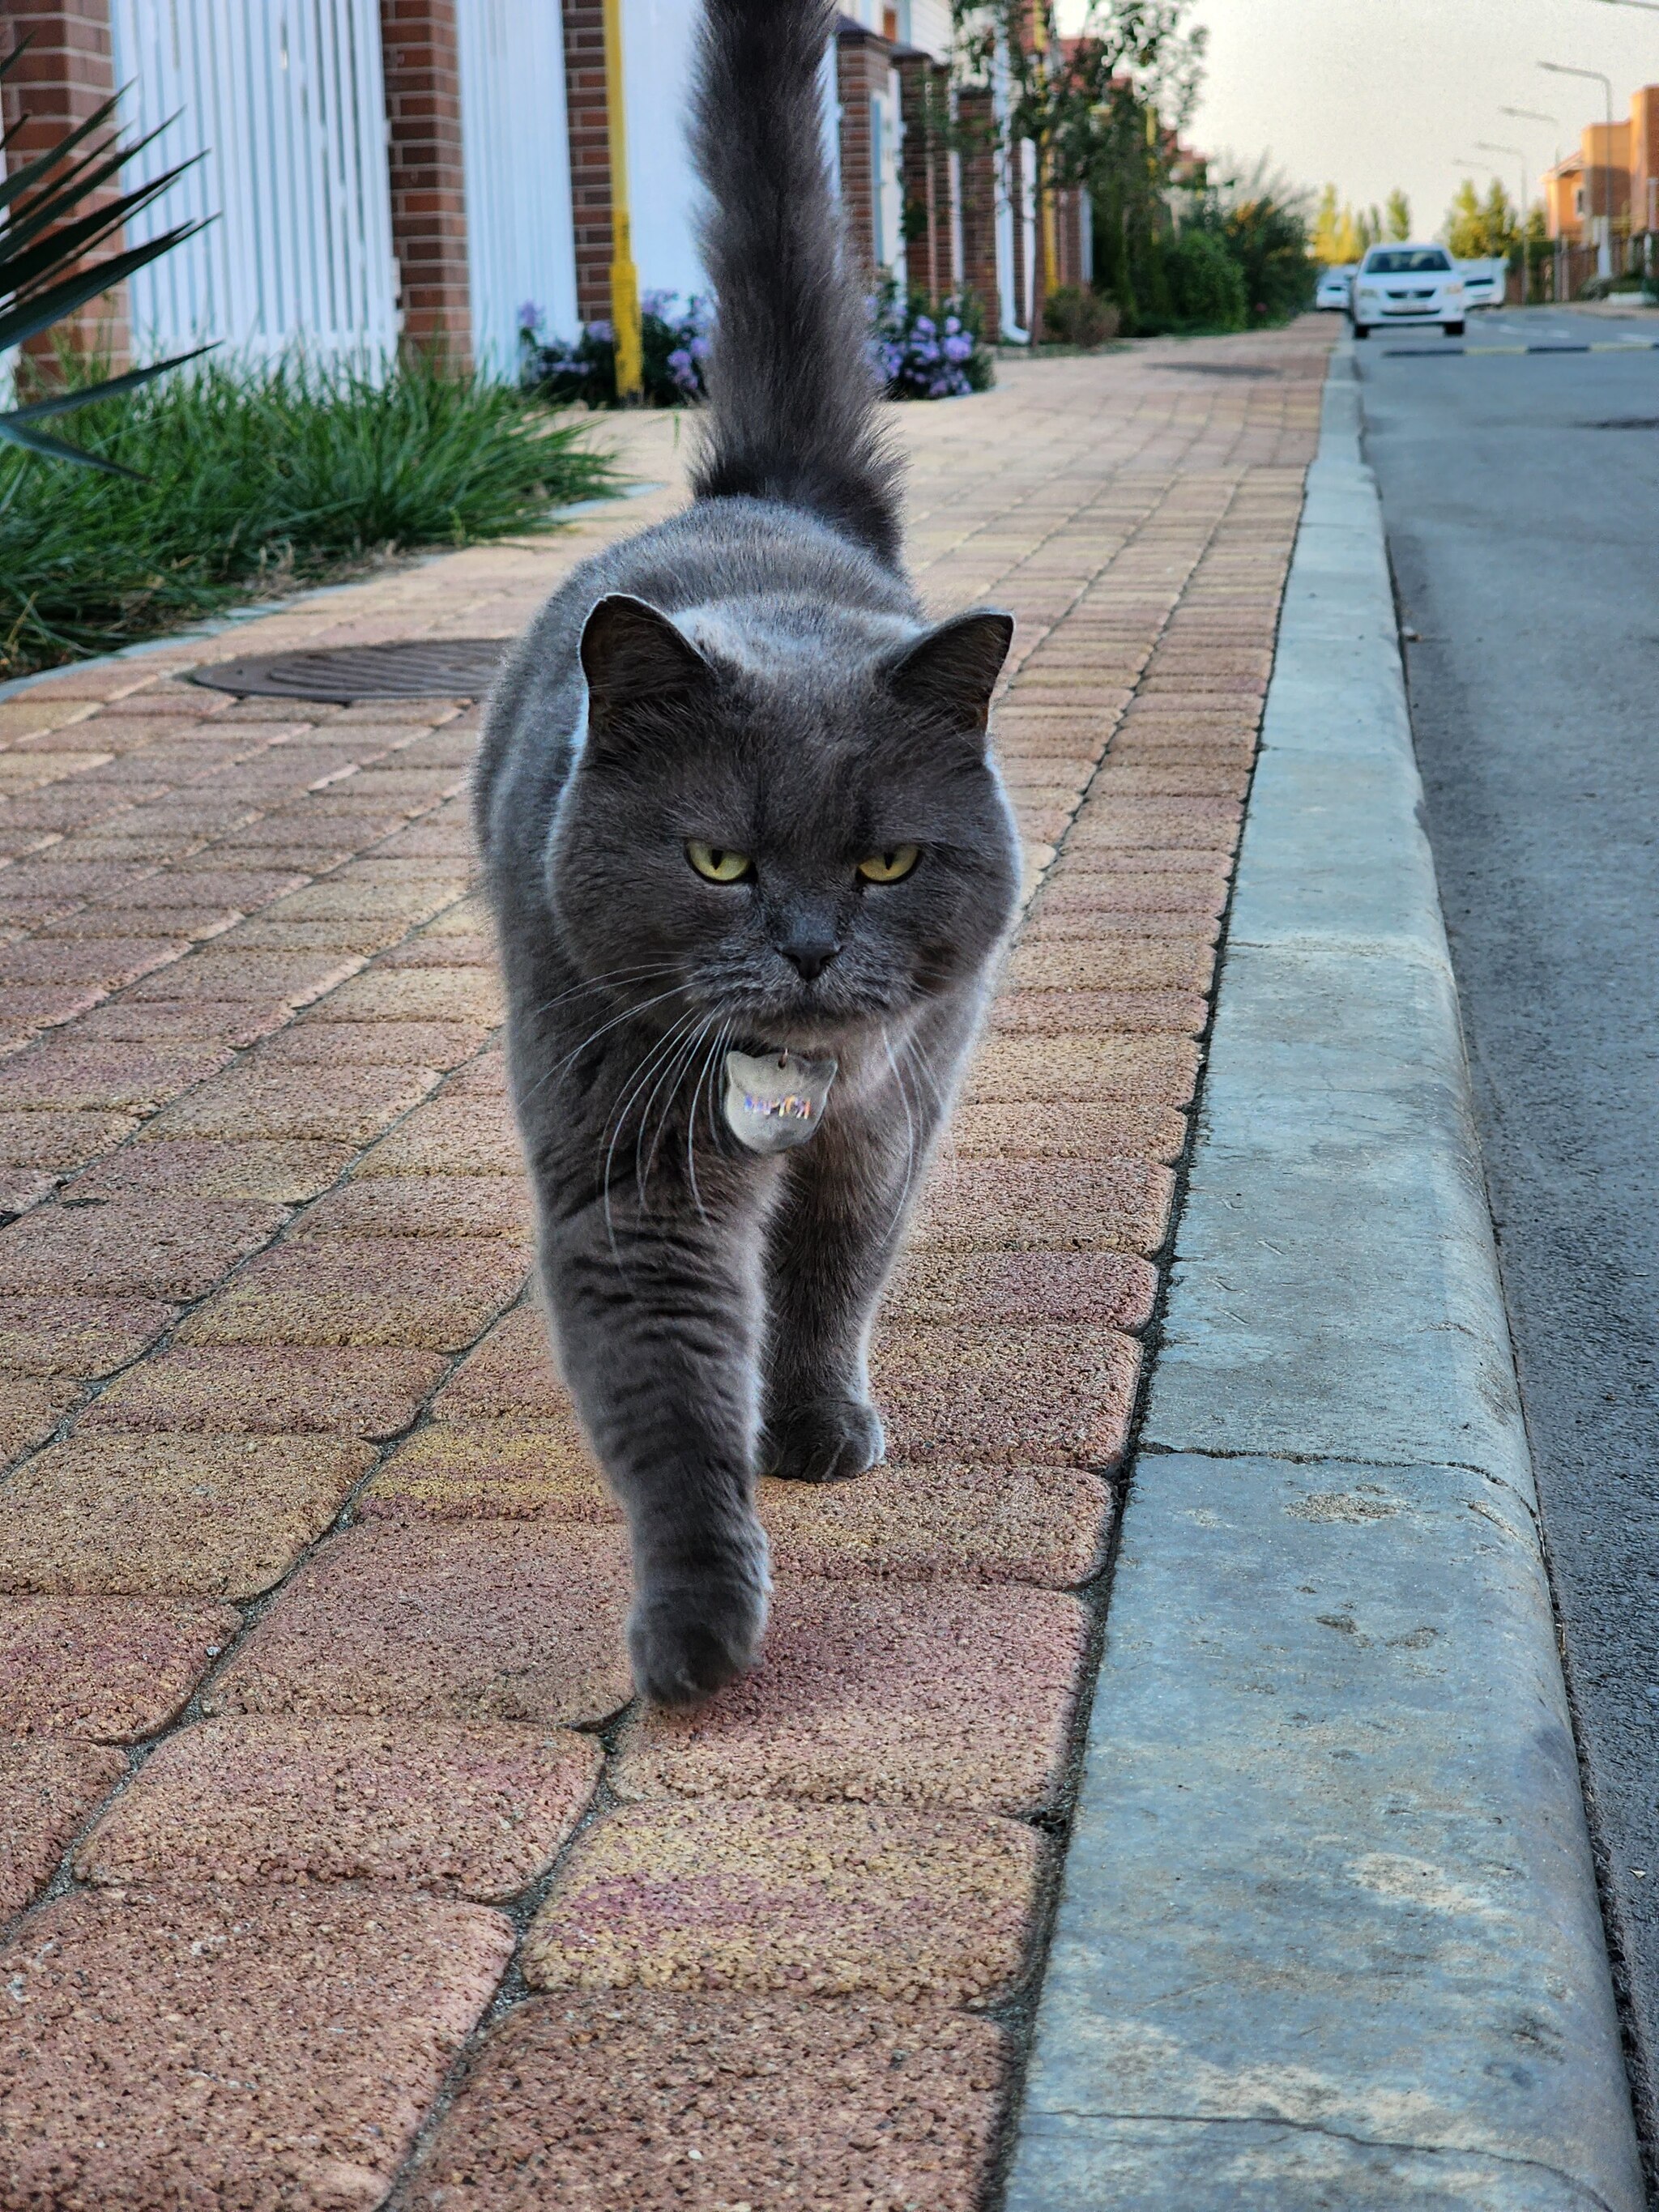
point(257, 480)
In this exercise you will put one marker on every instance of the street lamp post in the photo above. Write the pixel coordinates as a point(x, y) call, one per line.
point(1532, 115)
point(1520, 154)
point(1604, 247)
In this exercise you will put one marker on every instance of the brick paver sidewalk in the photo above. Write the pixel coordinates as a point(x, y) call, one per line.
point(310, 1653)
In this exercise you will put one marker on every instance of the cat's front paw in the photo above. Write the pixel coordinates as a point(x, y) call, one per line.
point(829, 1440)
point(689, 1636)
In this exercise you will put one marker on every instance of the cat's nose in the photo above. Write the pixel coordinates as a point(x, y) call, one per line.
point(809, 953)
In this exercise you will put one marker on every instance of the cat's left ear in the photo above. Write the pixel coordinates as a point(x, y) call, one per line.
point(950, 674)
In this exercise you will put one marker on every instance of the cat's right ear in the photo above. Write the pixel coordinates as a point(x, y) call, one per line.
point(634, 657)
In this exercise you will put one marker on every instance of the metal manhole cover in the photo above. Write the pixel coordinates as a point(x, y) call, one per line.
point(435, 668)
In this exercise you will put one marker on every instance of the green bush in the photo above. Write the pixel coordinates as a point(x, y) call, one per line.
point(256, 478)
point(1207, 285)
point(1076, 314)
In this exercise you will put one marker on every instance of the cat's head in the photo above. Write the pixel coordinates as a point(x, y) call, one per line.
point(805, 842)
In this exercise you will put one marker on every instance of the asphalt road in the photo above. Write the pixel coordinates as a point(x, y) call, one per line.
point(1521, 499)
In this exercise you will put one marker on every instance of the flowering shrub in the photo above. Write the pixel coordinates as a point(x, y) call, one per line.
point(925, 357)
point(916, 354)
point(674, 347)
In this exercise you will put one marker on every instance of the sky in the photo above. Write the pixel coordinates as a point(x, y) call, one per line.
point(1367, 95)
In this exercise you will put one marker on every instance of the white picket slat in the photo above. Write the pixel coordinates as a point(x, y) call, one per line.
point(521, 247)
point(287, 99)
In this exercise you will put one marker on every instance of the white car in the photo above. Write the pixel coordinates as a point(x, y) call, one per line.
point(1484, 283)
point(1403, 285)
point(1333, 289)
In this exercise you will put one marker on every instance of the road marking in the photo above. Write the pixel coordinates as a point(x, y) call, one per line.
point(1447, 352)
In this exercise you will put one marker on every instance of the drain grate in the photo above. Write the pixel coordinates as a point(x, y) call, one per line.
point(434, 668)
point(1221, 368)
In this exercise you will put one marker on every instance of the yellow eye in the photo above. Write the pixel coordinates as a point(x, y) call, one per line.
point(718, 863)
point(889, 867)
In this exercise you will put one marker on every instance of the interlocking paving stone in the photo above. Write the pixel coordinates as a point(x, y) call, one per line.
point(1054, 1395)
point(245, 2048)
point(77, 1335)
point(60, 1140)
point(425, 994)
point(125, 1250)
point(277, 1171)
point(116, 1516)
point(64, 1077)
point(1109, 1287)
point(48, 1789)
point(219, 973)
point(113, 1669)
point(313, 1041)
point(482, 1622)
point(597, 2104)
point(406, 1291)
point(449, 1138)
point(258, 1390)
point(23, 1188)
point(475, 1809)
point(816, 1900)
point(1087, 1070)
point(491, 1470)
point(425, 1205)
point(1106, 961)
point(30, 1409)
point(250, 1101)
point(889, 1694)
point(1059, 1013)
point(1066, 1130)
point(933, 1522)
point(1103, 1205)
point(1134, 546)
point(510, 1374)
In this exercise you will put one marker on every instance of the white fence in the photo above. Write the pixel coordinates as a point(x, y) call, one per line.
point(521, 247)
point(287, 99)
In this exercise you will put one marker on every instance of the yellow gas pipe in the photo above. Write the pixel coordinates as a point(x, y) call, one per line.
point(624, 277)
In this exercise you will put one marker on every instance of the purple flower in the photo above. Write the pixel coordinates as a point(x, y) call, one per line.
point(952, 325)
point(958, 348)
point(701, 348)
point(657, 304)
point(924, 325)
point(601, 334)
point(530, 318)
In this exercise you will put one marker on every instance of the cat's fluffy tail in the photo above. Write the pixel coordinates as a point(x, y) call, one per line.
point(792, 394)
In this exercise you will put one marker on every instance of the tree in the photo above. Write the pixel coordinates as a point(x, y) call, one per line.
point(1326, 224)
point(1399, 215)
point(1264, 220)
point(1478, 229)
point(1103, 110)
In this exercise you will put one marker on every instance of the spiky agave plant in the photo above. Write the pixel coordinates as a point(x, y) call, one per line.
point(44, 242)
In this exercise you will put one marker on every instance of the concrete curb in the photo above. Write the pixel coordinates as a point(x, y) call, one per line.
point(1329, 1933)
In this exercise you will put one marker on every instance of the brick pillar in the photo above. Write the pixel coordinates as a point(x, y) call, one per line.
point(862, 61)
point(66, 74)
point(422, 62)
point(924, 265)
point(590, 155)
point(978, 129)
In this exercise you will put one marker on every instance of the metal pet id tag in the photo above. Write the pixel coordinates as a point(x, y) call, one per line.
point(775, 1102)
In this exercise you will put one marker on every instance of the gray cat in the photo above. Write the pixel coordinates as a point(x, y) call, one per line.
point(750, 865)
